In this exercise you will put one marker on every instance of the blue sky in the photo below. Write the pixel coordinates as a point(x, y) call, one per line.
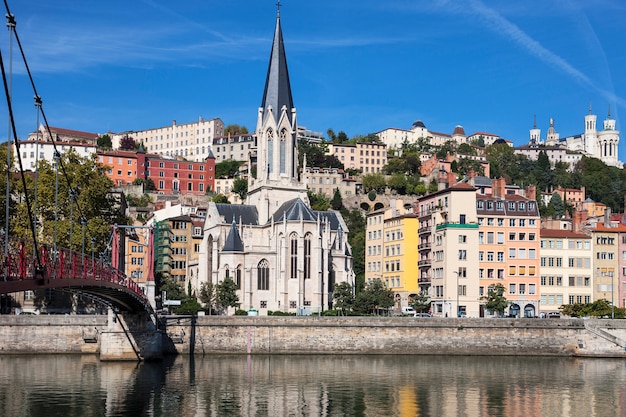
point(357, 66)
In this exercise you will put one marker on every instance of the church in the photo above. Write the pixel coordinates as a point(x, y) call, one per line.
point(282, 255)
point(602, 144)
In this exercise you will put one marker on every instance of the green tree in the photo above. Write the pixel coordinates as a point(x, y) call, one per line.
point(220, 199)
point(343, 297)
point(398, 183)
point(90, 197)
point(420, 302)
point(495, 300)
point(318, 201)
point(226, 294)
point(466, 149)
point(227, 168)
point(316, 155)
point(104, 142)
point(375, 297)
point(395, 166)
point(207, 296)
point(337, 202)
point(556, 207)
point(235, 129)
point(599, 308)
point(240, 187)
point(374, 182)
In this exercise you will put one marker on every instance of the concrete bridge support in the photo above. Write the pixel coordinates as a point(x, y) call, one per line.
point(130, 337)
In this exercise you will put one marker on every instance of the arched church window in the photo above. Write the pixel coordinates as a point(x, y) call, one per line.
point(283, 148)
point(209, 251)
point(270, 149)
point(307, 256)
point(293, 255)
point(263, 275)
point(238, 276)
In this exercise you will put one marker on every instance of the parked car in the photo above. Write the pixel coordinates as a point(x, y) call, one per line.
point(554, 315)
point(423, 315)
point(408, 310)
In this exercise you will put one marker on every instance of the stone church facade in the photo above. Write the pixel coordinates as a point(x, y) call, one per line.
point(283, 255)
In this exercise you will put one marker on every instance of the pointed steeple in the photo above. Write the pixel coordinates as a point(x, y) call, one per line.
point(277, 87)
point(233, 241)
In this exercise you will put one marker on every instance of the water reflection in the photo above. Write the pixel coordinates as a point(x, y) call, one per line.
point(334, 385)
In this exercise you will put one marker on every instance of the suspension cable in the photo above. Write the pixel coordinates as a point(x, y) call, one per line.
point(43, 114)
point(19, 158)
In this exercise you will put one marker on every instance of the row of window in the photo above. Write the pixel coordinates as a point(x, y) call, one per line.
point(491, 221)
point(519, 206)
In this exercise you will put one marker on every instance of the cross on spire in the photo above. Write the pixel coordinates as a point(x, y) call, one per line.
point(278, 7)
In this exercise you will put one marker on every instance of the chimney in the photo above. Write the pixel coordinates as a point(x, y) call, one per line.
point(498, 186)
point(531, 192)
point(607, 217)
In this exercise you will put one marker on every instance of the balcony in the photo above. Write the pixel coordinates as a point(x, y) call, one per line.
point(423, 230)
point(423, 246)
point(425, 280)
point(424, 262)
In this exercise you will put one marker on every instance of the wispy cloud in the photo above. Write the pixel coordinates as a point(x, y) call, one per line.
point(500, 24)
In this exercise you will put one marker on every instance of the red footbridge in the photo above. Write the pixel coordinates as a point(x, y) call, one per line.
point(68, 270)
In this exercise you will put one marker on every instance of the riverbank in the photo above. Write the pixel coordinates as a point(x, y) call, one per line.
point(328, 335)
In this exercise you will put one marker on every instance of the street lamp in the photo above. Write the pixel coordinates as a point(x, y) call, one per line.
point(458, 309)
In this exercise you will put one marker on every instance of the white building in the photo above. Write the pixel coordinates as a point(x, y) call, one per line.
point(32, 151)
point(601, 144)
point(191, 140)
point(282, 255)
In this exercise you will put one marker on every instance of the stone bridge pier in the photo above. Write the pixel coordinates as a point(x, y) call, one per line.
point(130, 336)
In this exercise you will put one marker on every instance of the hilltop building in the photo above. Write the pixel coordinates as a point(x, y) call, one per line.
point(601, 144)
point(282, 255)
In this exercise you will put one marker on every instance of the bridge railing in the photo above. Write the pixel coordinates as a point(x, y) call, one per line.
point(20, 264)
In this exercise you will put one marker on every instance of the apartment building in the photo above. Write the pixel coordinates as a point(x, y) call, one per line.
point(186, 237)
point(32, 151)
point(236, 147)
point(123, 166)
point(191, 141)
point(367, 157)
point(448, 248)
point(178, 176)
point(326, 180)
point(400, 273)
point(605, 242)
point(566, 269)
point(509, 242)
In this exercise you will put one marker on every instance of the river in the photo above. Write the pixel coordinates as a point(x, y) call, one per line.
point(305, 385)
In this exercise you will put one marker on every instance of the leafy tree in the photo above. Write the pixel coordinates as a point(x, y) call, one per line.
point(318, 201)
point(337, 202)
point(316, 155)
point(420, 302)
point(220, 199)
point(90, 198)
point(127, 143)
point(599, 308)
point(104, 142)
point(341, 137)
point(240, 187)
point(395, 166)
point(466, 149)
point(356, 225)
point(447, 148)
point(330, 133)
point(150, 186)
point(226, 294)
point(556, 207)
point(495, 299)
point(343, 297)
point(227, 168)
point(207, 296)
point(235, 129)
point(398, 182)
point(376, 296)
point(374, 182)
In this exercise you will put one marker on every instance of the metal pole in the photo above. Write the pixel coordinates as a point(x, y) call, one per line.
point(55, 255)
point(71, 223)
point(11, 26)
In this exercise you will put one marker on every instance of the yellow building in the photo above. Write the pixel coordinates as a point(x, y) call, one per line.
point(400, 272)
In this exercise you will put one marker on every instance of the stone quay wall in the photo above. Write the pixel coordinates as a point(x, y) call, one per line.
point(329, 335)
point(50, 334)
point(399, 335)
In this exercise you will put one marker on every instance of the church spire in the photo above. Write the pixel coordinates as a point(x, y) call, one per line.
point(277, 87)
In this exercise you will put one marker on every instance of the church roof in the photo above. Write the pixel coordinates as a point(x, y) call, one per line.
point(332, 217)
point(294, 210)
point(233, 240)
point(277, 88)
point(238, 212)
